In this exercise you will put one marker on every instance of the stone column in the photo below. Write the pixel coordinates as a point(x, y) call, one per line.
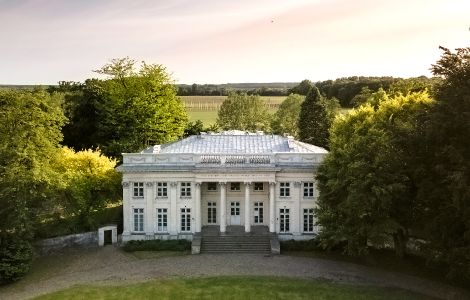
point(247, 207)
point(126, 208)
point(272, 207)
point(297, 214)
point(197, 206)
point(173, 217)
point(149, 209)
point(223, 209)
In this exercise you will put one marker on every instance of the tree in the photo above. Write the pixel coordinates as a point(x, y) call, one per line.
point(314, 121)
point(30, 123)
point(445, 188)
point(243, 112)
point(86, 182)
point(368, 182)
point(193, 128)
point(286, 118)
point(302, 88)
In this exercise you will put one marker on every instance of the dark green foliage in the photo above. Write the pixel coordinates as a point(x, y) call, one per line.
point(193, 128)
point(286, 118)
point(15, 258)
point(303, 88)
point(158, 245)
point(307, 245)
point(314, 121)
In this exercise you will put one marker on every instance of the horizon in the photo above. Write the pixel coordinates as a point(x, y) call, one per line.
point(221, 42)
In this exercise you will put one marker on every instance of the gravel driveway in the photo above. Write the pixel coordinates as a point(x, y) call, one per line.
point(110, 265)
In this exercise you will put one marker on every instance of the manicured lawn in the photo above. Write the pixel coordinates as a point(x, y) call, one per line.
point(258, 288)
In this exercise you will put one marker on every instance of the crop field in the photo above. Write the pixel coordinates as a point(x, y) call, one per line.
point(212, 103)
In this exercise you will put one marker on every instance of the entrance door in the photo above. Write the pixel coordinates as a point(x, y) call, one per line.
point(258, 213)
point(235, 213)
point(284, 223)
point(108, 237)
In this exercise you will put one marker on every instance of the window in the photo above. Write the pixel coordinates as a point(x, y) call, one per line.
point(308, 220)
point(284, 220)
point(138, 189)
point(162, 189)
point(138, 219)
point(284, 189)
point(258, 186)
point(162, 220)
point(211, 213)
point(212, 186)
point(235, 186)
point(185, 189)
point(308, 189)
point(185, 219)
point(258, 213)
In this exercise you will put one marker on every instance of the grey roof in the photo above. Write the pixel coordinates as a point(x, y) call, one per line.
point(235, 142)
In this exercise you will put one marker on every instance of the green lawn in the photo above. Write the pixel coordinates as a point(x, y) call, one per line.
point(258, 288)
point(207, 117)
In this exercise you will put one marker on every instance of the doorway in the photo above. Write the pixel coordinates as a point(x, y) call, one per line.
point(108, 237)
point(235, 213)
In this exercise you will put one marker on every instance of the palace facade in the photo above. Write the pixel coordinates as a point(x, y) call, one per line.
point(223, 179)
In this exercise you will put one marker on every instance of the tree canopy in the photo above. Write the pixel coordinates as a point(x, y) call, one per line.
point(286, 118)
point(243, 112)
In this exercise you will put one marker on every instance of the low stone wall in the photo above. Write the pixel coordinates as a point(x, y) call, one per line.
point(81, 240)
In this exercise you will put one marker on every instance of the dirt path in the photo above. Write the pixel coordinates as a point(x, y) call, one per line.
point(111, 266)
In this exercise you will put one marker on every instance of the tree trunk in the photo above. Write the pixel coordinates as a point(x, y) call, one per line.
point(399, 240)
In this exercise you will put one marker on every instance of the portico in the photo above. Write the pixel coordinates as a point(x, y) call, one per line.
point(227, 179)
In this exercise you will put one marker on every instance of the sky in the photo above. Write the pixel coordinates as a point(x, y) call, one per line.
point(228, 41)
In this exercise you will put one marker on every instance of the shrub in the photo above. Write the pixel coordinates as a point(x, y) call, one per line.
point(307, 245)
point(158, 245)
point(15, 258)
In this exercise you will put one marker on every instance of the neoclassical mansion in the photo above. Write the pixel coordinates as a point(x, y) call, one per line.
point(223, 179)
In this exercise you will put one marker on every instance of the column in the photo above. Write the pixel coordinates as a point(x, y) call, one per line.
point(173, 217)
point(297, 214)
point(197, 206)
point(223, 209)
point(272, 207)
point(149, 209)
point(247, 207)
point(126, 208)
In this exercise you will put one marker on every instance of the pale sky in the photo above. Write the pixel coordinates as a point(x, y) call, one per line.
point(218, 41)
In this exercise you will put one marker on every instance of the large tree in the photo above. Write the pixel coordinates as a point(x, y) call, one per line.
point(30, 123)
point(368, 182)
point(314, 120)
point(286, 118)
point(243, 112)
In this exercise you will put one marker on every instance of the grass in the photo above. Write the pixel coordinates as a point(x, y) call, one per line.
point(242, 287)
point(207, 117)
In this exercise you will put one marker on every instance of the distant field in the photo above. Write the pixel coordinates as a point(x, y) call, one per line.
point(207, 117)
point(212, 103)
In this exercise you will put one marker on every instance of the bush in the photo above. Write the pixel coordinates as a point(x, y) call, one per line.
point(15, 258)
point(158, 245)
point(308, 245)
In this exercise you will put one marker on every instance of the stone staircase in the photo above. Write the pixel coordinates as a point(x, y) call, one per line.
point(235, 240)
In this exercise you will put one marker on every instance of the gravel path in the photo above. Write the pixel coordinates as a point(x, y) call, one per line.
point(110, 265)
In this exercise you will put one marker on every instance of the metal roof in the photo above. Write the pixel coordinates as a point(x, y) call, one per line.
point(235, 142)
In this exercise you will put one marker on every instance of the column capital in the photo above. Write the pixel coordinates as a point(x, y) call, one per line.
point(222, 183)
point(149, 183)
point(297, 183)
point(197, 184)
point(248, 183)
point(272, 183)
point(173, 183)
point(125, 184)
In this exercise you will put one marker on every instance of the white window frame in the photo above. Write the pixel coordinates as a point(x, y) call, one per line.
point(162, 190)
point(212, 212)
point(185, 219)
point(284, 189)
point(308, 220)
point(257, 185)
point(309, 189)
point(209, 188)
point(138, 219)
point(138, 190)
point(235, 186)
point(258, 212)
point(284, 220)
point(162, 220)
point(185, 189)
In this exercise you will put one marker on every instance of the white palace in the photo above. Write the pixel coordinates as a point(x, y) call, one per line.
point(221, 180)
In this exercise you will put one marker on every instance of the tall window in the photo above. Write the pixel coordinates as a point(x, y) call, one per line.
point(212, 186)
point(308, 220)
point(235, 186)
point(308, 189)
point(211, 213)
point(284, 189)
point(258, 186)
point(185, 189)
point(185, 219)
point(162, 189)
point(138, 219)
point(258, 212)
point(284, 220)
point(138, 189)
point(162, 219)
